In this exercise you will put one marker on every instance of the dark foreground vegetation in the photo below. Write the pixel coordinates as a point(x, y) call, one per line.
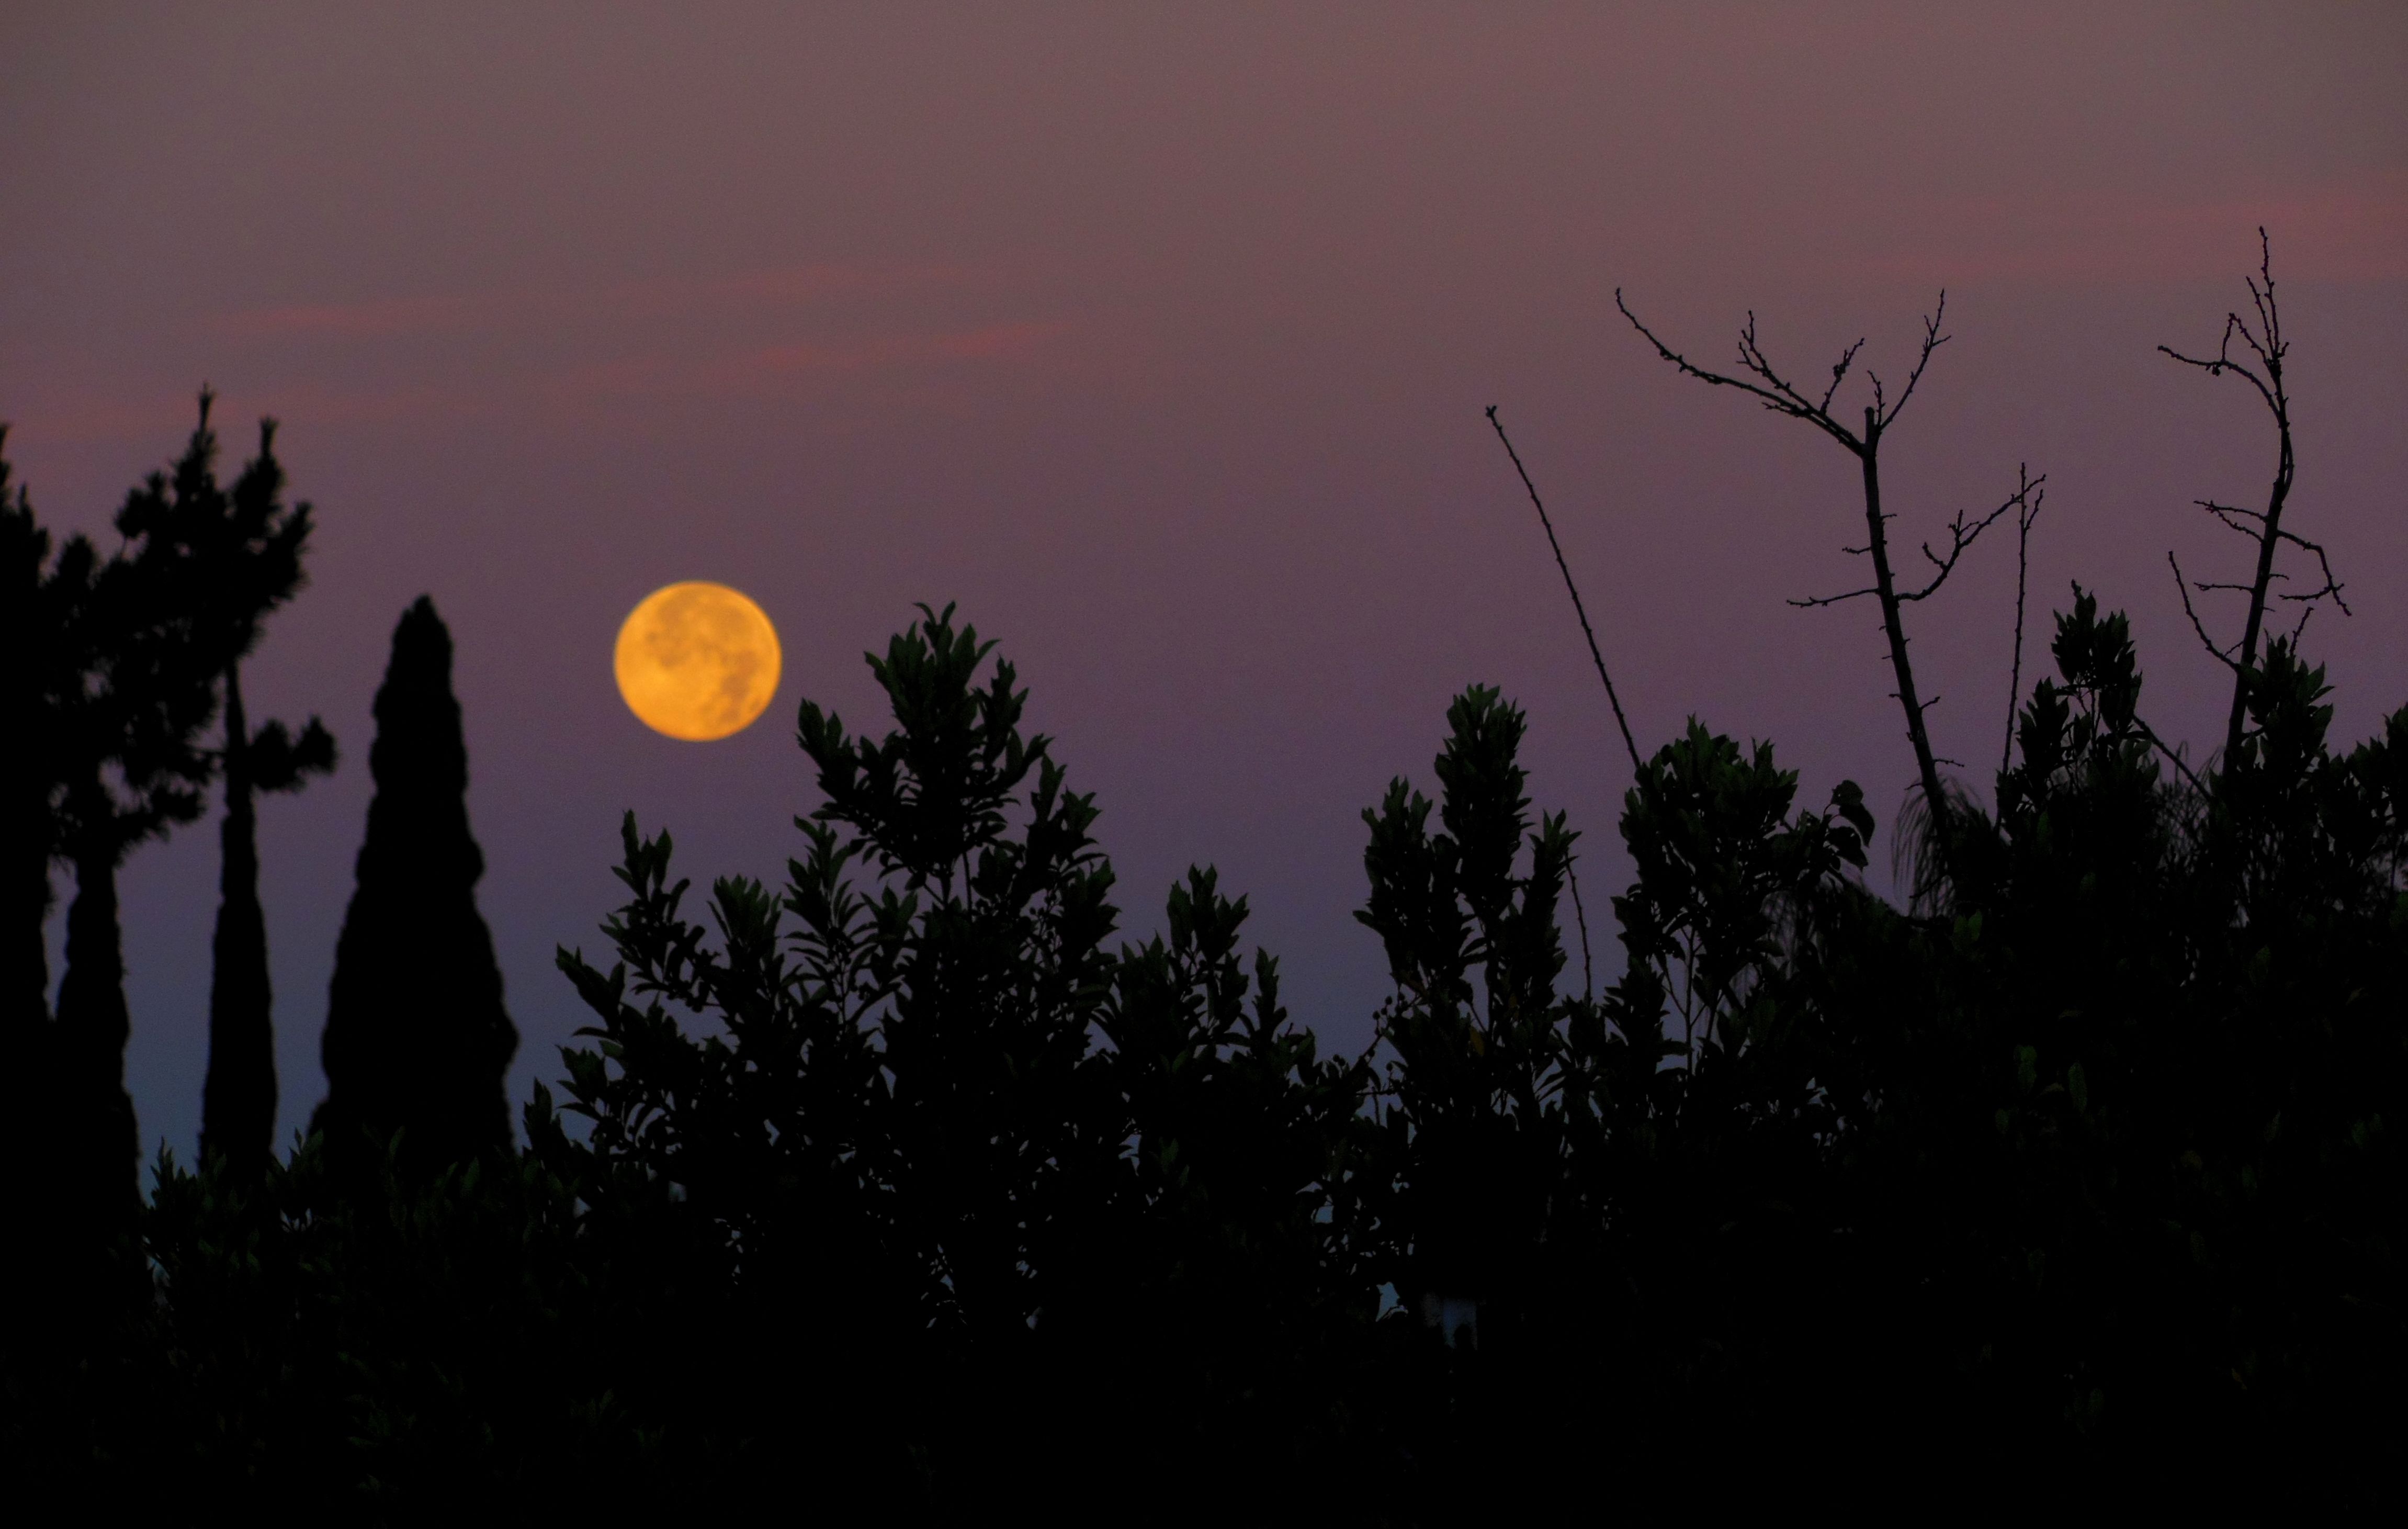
point(911, 1187)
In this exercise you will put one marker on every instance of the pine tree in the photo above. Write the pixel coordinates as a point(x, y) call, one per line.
point(417, 1038)
point(134, 647)
point(259, 542)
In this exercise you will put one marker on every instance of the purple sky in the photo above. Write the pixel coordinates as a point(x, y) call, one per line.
point(1159, 338)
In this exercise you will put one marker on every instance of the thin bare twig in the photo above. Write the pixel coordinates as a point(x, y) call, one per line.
point(1579, 609)
point(2182, 587)
point(1962, 535)
point(2151, 734)
point(1817, 601)
point(1932, 341)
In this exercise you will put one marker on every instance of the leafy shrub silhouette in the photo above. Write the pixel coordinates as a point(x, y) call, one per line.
point(945, 1151)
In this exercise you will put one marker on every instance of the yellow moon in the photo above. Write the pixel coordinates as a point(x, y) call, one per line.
point(697, 661)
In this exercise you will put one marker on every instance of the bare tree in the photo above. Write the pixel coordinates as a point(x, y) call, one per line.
point(1761, 381)
point(2266, 345)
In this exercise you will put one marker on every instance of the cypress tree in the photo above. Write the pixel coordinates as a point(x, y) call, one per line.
point(238, 1099)
point(417, 1038)
point(27, 777)
point(97, 1150)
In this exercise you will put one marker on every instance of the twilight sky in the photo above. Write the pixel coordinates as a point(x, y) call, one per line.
point(1159, 338)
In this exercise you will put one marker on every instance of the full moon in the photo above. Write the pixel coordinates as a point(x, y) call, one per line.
point(696, 661)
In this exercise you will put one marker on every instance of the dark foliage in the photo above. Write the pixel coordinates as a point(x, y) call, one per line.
point(124, 659)
point(905, 1189)
point(995, 1186)
point(417, 1039)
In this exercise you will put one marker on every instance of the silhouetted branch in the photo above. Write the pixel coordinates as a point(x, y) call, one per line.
point(2025, 516)
point(1816, 601)
point(1774, 393)
point(2182, 587)
point(2266, 344)
point(2332, 587)
point(1764, 382)
point(2159, 743)
point(1962, 536)
point(1932, 341)
point(1838, 371)
point(1578, 608)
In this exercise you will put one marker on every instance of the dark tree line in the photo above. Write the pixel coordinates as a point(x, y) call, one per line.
point(912, 1186)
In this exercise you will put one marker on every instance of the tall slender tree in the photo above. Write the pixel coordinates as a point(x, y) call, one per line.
point(28, 589)
point(258, 541)
point(238, 1099)
point(417, 1038)
point(126, 655)
point(128, 703)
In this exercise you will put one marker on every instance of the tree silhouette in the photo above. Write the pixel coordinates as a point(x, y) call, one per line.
point(142, 641)
point(1776, 393)
point(239, 1097)
point(2262, 528)
point(255, 544)
point(417, 1039)
point(29, 624)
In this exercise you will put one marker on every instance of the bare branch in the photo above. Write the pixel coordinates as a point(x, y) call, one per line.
point(2182, 587)
point(1779, 396)
point(2159, 743)
point(1775, 392)
point(2233, 516)
point(2224, 361)
point(1961, 535)
point(1819, 601)
point(1932, 341)
point(1839, 373)
point(2333, 586)
point(1578, 609)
